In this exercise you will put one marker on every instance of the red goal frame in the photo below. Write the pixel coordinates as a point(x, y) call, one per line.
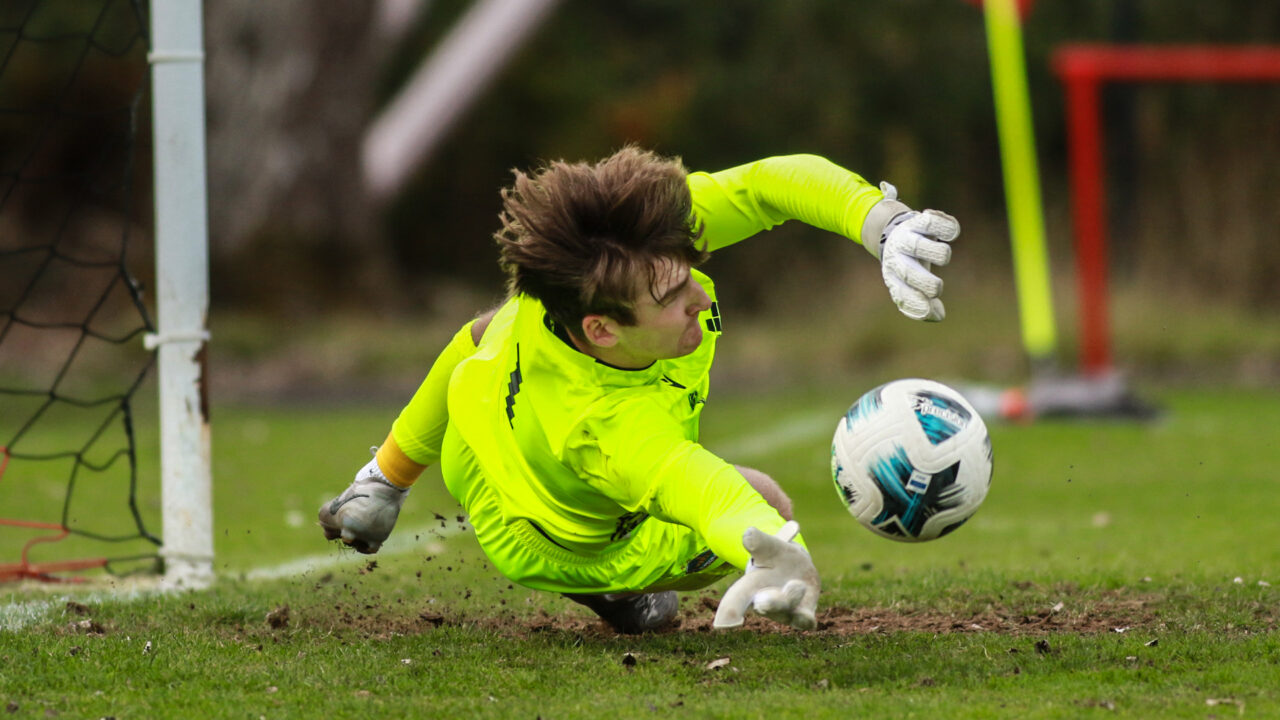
point(1083, 69)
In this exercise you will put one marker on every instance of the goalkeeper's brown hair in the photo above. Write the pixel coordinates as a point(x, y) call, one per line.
point(585, 238)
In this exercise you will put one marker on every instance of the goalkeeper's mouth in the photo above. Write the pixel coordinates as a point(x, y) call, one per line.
point(691, 339)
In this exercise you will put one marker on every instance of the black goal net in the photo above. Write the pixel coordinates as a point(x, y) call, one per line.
point(74, 200)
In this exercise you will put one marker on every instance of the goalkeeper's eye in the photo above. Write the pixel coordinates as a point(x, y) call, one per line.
point(674, 291)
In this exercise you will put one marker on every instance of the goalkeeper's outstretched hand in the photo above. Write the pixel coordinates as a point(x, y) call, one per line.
point(364, 514)
point(909, 243)
point(780, 583)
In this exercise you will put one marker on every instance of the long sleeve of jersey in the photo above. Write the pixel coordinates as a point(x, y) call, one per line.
point(416, 435)
point(739, 202)
point(634, 453)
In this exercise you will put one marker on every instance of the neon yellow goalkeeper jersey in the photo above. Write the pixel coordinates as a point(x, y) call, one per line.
point(585, 452)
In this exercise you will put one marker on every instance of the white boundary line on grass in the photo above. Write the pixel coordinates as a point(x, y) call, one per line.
point(789, 432)
point(16, 615)
point(401, 543)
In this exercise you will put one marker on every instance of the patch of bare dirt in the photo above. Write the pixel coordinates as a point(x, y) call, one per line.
point(278, 618)
point(1104, 616)
point(1100, 617)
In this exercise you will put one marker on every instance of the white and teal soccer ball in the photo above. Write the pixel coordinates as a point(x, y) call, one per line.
point(912, 460)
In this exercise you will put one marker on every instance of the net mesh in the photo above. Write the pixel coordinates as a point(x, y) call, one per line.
point(73, 81)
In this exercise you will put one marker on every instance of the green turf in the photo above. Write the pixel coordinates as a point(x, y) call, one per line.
point(1089, 528)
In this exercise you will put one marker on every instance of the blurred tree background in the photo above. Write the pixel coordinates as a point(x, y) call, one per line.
point(894, 90)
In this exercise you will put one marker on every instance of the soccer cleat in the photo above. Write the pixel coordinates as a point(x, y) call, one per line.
point(632, 614)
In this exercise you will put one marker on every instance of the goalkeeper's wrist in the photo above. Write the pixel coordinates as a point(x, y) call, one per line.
point(880, 220)
point(396, 467)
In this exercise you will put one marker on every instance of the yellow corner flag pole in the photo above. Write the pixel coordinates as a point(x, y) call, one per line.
point(1021, 178)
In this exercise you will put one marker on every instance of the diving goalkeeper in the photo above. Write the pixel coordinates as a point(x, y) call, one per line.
point(565, 421)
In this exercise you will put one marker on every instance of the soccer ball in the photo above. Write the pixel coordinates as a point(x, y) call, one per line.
point(911, 460)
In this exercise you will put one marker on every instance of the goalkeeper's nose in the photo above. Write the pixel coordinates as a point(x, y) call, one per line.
point(701, 300)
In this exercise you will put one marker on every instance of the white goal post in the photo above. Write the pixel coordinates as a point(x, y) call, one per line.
point(182, 290)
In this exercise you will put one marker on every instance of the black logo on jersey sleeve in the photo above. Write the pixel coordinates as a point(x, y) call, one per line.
point(513, 387)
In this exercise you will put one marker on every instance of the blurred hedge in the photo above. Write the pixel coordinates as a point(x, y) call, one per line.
point(895, 90)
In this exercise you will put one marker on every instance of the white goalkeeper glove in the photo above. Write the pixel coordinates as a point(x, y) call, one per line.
point(780, 583)
point(364, 514)
point(907, 243)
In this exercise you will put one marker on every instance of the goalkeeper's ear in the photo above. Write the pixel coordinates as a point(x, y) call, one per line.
point(600, 330)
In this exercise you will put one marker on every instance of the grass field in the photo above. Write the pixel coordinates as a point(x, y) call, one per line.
point(1115, 570)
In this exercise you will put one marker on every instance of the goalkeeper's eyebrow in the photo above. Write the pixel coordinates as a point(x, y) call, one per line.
point(674, 290)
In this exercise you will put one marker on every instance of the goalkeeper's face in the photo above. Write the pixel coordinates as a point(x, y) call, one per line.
point(666, 318)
